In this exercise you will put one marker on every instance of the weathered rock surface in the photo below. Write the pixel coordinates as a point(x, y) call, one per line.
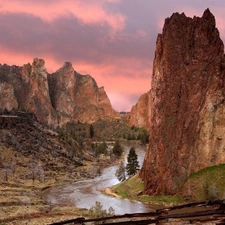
point(188, 108)
point(7, 97)
point(140, 114)
point(58, 98)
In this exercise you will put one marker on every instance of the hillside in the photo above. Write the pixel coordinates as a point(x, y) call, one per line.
point(207, 184)
point(32, 158)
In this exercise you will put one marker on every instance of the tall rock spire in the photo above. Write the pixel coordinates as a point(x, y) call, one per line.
point(188, 103)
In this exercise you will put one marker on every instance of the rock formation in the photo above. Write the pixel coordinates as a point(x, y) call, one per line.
point(7, 97)
point(140, 114)
point(187, 130)
point(58, 98)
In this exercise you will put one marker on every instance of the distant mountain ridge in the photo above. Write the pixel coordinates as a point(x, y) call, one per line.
point(57, 98)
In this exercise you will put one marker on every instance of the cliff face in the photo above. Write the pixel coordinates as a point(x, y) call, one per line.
point(188, 108)
point(7, 97)
point(57, 98)
point(140, 114)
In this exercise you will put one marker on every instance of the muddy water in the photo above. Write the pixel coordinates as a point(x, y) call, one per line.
point(84, 194)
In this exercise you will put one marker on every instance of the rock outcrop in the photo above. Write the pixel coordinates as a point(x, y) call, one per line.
point(7, 97)
point(140, 114)
point(58, 98)
point(188, 108)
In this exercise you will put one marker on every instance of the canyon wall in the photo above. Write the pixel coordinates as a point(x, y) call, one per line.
point(187, 128)
point(58, 98)
point(140, 115)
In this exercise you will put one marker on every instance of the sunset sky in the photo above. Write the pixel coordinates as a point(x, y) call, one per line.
point(112, 40)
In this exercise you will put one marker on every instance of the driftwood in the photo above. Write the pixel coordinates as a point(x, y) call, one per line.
point(198, 212)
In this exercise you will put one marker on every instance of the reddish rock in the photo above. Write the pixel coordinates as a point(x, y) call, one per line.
point(30, 88)
point(58, 98)
point(7, 97)
point(37, 99)
point(140, 114)
point(77, 97)
point(188, 109)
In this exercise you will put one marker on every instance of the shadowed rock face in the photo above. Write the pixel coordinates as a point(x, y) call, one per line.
point(58, 98)
point(187, 130)
point(140, 114)
point(7, 97)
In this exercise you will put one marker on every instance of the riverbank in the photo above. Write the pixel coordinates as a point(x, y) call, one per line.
point(132, 189)
point(23, 202)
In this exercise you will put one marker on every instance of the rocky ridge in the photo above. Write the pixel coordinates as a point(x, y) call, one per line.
point(188, 103)
point(58, 98)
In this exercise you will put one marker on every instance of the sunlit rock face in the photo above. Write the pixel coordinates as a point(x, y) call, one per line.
point(188, 109)
point(77, 97)
point(38, 99)
point(30, 87)
point(91, 101)
point(140, 114)
point(58, 98)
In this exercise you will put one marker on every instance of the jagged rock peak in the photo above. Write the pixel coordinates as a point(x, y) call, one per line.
point(67, 66)
point(188, 110)
point(58, 98)
point(207, 15)
point(40, 63)
point(38, 68)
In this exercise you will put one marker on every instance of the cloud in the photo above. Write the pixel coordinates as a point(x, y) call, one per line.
point(123, 83)
point(87, 12)
point(112, 40)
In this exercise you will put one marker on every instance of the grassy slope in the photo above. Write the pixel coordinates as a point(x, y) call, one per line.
point(133, 187)
point(206, 184)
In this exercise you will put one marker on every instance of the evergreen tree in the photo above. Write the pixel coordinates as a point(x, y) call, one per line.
point(117, 149)
point(92, 133)
point(132, 162)
point(121, 172)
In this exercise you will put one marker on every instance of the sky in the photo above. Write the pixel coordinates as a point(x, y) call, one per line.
point(112, 40)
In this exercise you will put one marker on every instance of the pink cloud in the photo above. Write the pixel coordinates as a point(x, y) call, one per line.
point(121, 81)
point(220, 21)
point(88, 12)
point(19, 59)
point(108, 39)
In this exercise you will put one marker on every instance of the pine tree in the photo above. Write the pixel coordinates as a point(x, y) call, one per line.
point(117, 149)
point(132, 162)
point(121, 172)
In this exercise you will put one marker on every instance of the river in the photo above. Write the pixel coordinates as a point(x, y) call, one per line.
point(84, 193)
